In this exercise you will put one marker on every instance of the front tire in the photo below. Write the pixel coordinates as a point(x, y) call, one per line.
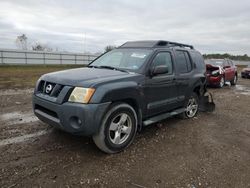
point(118, 129)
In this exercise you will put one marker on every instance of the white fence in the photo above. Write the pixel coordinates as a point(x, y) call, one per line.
point(35, 57)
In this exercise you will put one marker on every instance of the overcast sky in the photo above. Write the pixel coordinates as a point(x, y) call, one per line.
point(210, 25)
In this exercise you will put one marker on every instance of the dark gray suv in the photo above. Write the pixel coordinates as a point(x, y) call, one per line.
point(135, 85)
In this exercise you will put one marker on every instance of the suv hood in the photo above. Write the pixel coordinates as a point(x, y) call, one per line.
point(84, 77)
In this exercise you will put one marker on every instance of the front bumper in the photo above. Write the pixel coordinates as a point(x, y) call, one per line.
point(75, 118)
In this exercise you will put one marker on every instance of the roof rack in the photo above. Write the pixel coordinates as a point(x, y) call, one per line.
point(174, 44)
point(154, 44)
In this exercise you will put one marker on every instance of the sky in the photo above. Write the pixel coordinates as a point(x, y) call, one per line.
point(212, 26)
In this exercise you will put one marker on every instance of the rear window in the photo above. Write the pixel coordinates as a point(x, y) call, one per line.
point(198, 60)
point(231, 63)
point(226, 63)
point(183, 61)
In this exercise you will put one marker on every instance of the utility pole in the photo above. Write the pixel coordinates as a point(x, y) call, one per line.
point(84, 44)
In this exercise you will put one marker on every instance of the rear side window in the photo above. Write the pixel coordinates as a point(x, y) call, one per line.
point(231, 63)
point(183, 61)
point(198, 60)
point(226, 63)
point(164, 58)
point(188, 61)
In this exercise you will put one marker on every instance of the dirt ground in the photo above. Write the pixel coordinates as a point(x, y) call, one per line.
point(211, 150)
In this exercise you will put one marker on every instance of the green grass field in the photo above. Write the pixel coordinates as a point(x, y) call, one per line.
point(25, 76)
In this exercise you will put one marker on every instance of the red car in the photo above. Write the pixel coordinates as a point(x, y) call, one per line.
point(245, 73)
point(220, 71)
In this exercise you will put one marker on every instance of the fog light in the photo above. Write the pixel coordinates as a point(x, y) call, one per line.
point(75, 122)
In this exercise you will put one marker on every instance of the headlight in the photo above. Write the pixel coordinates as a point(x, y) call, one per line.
point(215, 73)
point(81, 95)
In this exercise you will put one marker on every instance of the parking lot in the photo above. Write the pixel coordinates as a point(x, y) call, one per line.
point(211, 150)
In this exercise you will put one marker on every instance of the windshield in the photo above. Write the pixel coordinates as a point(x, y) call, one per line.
point(215, 62)
point(131, 59)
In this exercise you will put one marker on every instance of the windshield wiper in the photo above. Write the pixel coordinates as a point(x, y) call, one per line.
point(107, 67)
point(92, 66)
point(112, 68)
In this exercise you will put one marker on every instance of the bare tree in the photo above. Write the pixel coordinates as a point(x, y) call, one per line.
point(41, 47)
point(109, 48)
point(21, 42)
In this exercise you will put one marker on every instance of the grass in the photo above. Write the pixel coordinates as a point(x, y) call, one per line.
point(25, 76)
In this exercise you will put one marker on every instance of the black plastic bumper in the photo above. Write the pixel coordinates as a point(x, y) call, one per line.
point(75, 118)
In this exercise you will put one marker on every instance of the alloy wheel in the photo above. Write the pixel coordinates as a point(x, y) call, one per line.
point(120, 128)
point(192, 107)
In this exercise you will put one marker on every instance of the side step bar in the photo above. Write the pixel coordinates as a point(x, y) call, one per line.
point(162, 116)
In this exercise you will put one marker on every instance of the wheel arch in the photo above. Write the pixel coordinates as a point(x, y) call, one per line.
point(199, 87)
point(135, 105)
point(197, 90)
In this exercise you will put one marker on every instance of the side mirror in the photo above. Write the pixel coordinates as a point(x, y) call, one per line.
point(161, 69)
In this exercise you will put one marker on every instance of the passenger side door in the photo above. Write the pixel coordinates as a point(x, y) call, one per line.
point(160, 90)
point(184, 69)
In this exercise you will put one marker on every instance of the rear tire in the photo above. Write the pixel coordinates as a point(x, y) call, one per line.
point(192, 106)
point(118, 129)
point(234, 81)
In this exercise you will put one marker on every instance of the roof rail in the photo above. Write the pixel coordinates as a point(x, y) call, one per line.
point(173, 44)
point(154, 44)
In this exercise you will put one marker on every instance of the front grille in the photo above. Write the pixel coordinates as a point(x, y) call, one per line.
point(41, 86)
point(49, 88)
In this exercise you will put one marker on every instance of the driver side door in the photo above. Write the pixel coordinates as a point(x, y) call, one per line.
point(161, 90)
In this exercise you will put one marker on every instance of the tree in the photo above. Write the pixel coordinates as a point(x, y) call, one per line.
point(244, 57)
point(21, 42)
point(109, 48)
point(41, 47)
